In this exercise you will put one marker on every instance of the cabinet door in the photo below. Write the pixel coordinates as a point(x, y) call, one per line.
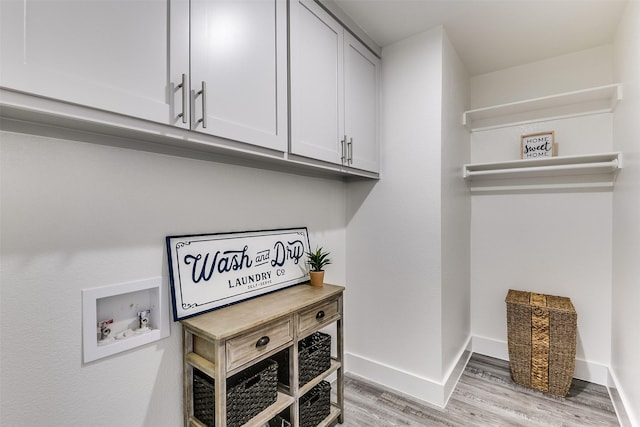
point(317, 93)
point(362, 73)
point(179, 92)
point(238, 54)
point(106, 54)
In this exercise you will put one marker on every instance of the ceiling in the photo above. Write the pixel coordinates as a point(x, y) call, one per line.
point(491, 35)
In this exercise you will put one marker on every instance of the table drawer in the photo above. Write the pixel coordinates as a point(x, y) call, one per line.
point(244, 349)
point(319, 316)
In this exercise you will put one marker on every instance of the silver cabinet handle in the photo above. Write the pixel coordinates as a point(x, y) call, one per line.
point(183, 86)
point(350, 149)
point(203, 93)
point(343, 149)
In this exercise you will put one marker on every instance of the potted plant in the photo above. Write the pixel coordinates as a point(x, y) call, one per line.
point(317, 261)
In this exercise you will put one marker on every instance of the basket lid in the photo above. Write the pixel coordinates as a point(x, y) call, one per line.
point(551, 302)
point(518, 297)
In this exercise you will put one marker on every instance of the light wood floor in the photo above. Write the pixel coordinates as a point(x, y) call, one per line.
point(484, 396)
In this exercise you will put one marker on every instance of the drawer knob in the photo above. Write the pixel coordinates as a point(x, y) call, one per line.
point(320, 315)
point(262, 342)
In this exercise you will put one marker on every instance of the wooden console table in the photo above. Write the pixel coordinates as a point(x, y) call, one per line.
point(224, 342)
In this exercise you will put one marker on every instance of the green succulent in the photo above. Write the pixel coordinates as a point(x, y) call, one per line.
point(318, 259)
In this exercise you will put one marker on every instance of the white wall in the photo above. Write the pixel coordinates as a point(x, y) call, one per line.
point(456, 212)
point(626, 218)
point(393, 231)
point(395, 234)
point(77, 215)
point(550, 242)
point(575, 71)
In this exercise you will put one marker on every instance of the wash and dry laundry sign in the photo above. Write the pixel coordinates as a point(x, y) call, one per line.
point(213, 270)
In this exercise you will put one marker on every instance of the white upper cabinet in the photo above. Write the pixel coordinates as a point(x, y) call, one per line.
point(317, 90)
point(107, 54)
point(334, 91)
point(239, 70)
point(361, 82)
point(217, 75)
point(151, 59)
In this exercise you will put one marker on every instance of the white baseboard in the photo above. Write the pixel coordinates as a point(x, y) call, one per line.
point(406, 383)
point(437, 393)
point(455, 372)
point(585, 370)
point(489, 347)
point(620, 402)
point(415, 386)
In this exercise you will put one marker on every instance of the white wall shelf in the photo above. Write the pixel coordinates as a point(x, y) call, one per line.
point(601, 99)
point(590, 170)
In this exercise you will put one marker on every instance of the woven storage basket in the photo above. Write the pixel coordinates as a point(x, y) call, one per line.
point(542, 341)
point(279, 421)
point(314, 357)
point(315, 405)
point(248, 393)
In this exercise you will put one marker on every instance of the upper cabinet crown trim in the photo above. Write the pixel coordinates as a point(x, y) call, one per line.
point(601, 99)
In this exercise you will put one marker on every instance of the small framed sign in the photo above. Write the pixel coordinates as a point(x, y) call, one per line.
point(537, 145)
point(209, 271)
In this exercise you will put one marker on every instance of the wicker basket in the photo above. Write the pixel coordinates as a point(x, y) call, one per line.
point(315, 405)
point(542, 341)
point(314, 358)
point(279, 421)
point(248, 393)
